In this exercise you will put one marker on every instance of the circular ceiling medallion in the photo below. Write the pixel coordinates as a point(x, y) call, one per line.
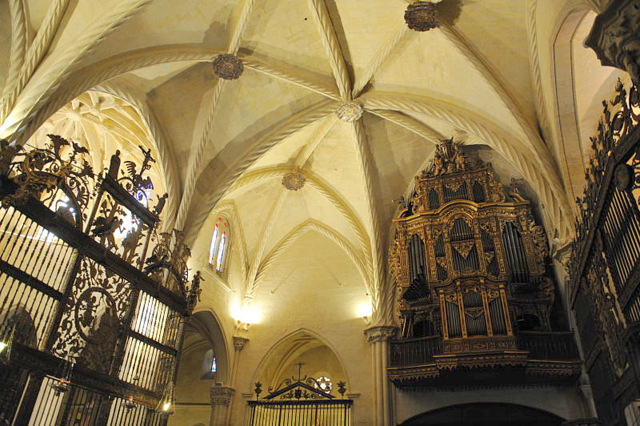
point(350, 112)
point(293, 181)
point(228, 67)
point(421, 16)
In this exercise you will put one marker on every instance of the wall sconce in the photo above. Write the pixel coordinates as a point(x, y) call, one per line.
point(242, 325)
point(245, 316)
point(364, 311)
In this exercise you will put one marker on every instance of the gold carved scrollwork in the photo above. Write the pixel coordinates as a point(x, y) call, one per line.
point(469, 251)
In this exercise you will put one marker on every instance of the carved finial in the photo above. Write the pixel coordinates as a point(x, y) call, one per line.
point(448, 158)
point(161, 202)
point(194, 293)
point(114, 165)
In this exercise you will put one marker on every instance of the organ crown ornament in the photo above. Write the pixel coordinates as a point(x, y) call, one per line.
point(421, 16)
point(228, 67)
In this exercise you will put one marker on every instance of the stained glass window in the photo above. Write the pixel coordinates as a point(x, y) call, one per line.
point(214, 365)
point(219, 245)
point(214, 245)
point(221, 251)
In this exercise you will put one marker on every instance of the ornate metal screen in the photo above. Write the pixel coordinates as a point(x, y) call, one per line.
point(605, 271)
point(93, 299)
point(300, 402)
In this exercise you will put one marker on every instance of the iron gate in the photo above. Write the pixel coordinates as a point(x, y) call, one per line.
point(92, 298)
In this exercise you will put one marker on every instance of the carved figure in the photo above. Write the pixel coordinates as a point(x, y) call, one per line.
point(161, 202)
point(114, 165)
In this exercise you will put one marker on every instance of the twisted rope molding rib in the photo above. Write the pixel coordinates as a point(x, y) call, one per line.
point(532, 174)
point(252, 284)
point(376, 237)
point(291, 125)
point(536, 74)
point(195, 163)
point(324, 190)
point(380, 57)
point(88, 77)
point(162, 144)
point(38, 48)
point(243, 20)
point(62, 66)
point(18, 49)
point(347, 213)
point(411, 124)
point(536, 144)
point(264, 68)
point(318, 136)
point(324, 229)
point(332, 46)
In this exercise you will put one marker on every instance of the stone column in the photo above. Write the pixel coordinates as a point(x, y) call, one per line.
point(221, 397)
point(379, 337)
point(615, 37)
point(238, 344)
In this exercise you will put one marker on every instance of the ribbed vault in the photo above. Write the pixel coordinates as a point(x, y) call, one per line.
point(225, 145)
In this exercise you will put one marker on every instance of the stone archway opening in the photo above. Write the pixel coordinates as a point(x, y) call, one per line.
point(485, 414)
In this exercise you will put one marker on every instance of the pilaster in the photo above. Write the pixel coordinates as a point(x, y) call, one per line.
point(379, 337)
point(221, 397)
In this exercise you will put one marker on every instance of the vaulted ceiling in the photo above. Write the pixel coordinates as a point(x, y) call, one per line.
point(338, 92)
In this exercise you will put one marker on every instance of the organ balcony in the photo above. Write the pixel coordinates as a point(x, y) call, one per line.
point(475, 298)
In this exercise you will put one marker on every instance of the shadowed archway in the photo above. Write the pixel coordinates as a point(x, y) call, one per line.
point(485, 414)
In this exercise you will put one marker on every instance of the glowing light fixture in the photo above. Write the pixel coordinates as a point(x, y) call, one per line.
point(245, 315)
point(165, 406)
point(364, 311)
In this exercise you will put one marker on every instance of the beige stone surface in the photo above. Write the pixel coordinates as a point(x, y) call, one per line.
point(510, 77)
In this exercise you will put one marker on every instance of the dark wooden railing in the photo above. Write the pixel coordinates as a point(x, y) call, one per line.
point(414, 351)
point(553, 346)
point(557, 346)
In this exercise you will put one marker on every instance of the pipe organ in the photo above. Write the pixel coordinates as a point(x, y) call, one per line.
point(470, 265)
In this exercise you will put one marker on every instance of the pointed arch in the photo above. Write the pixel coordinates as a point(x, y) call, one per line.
point(286, 345)
point(207, 324)
point(332, 234)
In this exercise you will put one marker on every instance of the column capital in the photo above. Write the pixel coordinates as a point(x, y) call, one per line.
point(239, 342)
point(380, 333)
point(221, 395)
point(615, 39)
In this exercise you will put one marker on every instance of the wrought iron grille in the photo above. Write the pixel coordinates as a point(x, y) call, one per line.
point(604, 268)
point(300, 402)
point(92, 298)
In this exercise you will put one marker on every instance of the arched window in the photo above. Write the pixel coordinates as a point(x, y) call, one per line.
point(219, 249)
point(209, 366)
